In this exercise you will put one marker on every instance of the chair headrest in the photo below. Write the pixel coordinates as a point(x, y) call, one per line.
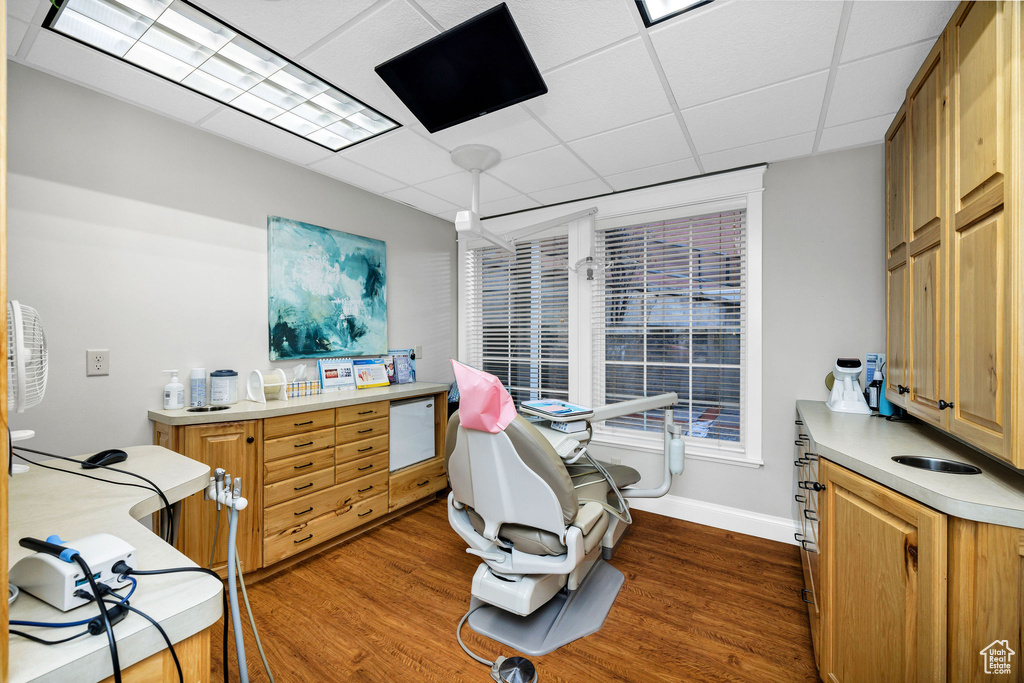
point(483, 401)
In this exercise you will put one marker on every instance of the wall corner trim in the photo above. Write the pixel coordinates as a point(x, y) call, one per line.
point(720, 516)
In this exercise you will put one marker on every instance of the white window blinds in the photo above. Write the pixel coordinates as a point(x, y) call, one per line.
point(670, 315)
point(517, 316)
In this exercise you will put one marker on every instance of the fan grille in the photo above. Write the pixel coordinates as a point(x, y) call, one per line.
point(26, 357)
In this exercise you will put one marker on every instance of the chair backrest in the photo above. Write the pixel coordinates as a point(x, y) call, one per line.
point(512, 477)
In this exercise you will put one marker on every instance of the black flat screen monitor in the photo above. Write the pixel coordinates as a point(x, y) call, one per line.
point(480, 66)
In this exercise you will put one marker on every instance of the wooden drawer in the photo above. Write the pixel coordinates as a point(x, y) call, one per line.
point(361, 430)
point(297, 465)
point(287, 425)
point(295, 539)
point(377, 462)
point(360, 449)
point(419, 481)
point(299, 443)
point(297, 486)
point(363, 411)
point(307, 508)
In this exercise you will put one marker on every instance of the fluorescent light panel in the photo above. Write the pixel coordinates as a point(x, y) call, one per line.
point(180, 42)
point(654, 11)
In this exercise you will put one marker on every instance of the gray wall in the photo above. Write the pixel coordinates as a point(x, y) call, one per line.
point(134, 233)
point(823, 297)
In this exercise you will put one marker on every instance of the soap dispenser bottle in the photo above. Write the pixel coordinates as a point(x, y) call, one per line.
point(174, 392)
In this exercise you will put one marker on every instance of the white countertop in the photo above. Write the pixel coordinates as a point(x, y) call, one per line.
point(43, 502)
point(251, 410)
point(866, 445)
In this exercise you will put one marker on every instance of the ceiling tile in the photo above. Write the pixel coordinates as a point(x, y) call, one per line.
point(773, 150)
point(739, 46)
point(420, 200)
point(554, 32)
point(458, 188)
point(858, 133)
point(512, 131)
point(541, 170)
point(612, 88)
point(768, 114)
point(588, 188)
point(70, 60)
point(16, 30)
point(348, 59)
point(674, 170)
point(25, 10)
point(288, 26)
point(517, 203)
point(264, 137)
point(403, 155)
point(340, 168)
point(649, 143)
point(878, 26)
point(873, 86)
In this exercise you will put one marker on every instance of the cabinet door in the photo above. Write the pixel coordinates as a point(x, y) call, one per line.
point(896, 259)
point(235, 446)
point(883, 574)
point(925, 316)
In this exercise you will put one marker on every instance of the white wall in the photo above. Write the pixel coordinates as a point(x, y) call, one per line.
point(138, 234)
point(823, 292)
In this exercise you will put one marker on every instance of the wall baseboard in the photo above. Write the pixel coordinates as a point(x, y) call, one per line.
point(720, 516)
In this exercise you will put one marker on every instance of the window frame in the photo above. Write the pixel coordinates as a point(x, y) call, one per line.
point(735, 189)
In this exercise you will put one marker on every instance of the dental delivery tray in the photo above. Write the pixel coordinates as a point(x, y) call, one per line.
point(556, 411)
point(55, 581)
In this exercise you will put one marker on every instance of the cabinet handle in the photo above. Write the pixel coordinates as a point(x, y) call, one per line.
point(805, 437)
point(803, 542)
point(365, 513)
point(798, 442)
point(943, 405)
point(424, 482)
point(363, 450)
point(360, 469)
point(803, 594)
point(302, 467)
point(800, 498)
point(810, 486)
point(902, 389)
point(800, 462)
point(365, 431)
point(306, 511)
point(301, 445)
point(811, 457)
point(809, 515)
point(302, 424)
point(250, 440)
point(365, 412)
point(299, 488)
point(303, 540)
point(799, 422)
point(364, 490)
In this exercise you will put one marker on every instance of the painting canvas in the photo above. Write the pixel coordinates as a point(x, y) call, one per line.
point(327, 291)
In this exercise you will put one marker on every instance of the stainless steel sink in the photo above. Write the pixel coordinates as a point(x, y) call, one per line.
point(936, 464)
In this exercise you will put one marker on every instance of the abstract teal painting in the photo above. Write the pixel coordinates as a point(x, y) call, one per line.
point(327, 291)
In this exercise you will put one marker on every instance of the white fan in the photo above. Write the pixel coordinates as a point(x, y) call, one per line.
point(26, 357)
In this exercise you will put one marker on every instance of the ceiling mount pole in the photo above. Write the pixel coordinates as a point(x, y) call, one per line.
point(475, 202)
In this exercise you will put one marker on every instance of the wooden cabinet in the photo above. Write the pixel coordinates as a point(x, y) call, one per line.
point(955, 301)
point(883, 583)
point(806, 497)
point(236, 447)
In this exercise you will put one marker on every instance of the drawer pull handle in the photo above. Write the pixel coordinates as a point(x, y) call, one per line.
point(368, 467)
point(365, 513)
point(364, 490)
point(943, 405)
point(299, 488)
point(804, 437)
point(302, 424)
point(424, 482)
point(302, 467)
point(810, 486)
point(798, 442)
point(800, 498)
point(800, 462)
point(902, 389)
point(365, 412)
point(809, 514)
point(306, 511)
point(799, 422)
point(301, 445)
point(803, 542)
point(303, 540)
point(365, 431)
point(811, 457)
point(803, 596)
point(363, 450)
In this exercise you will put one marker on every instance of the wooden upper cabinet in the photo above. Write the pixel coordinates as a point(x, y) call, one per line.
point(883, 575)
point(926, 116)
point(896, 258)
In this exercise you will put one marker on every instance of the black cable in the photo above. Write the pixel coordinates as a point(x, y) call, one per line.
point(111, 642)
point(122, 568)
point(43, 640)
point(174, 655)
point(153, 487)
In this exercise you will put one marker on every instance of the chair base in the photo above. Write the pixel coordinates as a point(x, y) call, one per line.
point(566, 617)
point(617, 530)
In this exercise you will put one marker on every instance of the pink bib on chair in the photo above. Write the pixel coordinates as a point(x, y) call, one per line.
point(484, 404)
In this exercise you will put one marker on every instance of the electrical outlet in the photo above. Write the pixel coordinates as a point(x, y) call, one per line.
point(419, 352)
point(616, 461)
point(97, 362)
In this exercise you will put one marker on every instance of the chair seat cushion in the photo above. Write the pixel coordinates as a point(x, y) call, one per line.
point(533, 541)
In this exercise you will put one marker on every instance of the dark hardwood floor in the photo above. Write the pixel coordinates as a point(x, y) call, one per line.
point(699, 604)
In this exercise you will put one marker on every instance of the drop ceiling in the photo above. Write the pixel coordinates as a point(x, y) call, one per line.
point(732, 83)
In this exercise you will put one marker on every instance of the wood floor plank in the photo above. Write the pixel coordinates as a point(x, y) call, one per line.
point(699, 604)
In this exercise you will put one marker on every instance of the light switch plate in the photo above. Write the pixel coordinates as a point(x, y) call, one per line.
point(419, 352)
point(97, 362)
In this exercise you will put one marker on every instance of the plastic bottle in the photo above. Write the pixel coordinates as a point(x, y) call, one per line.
point(197, 388)
point(675, 450)
point(174, 392)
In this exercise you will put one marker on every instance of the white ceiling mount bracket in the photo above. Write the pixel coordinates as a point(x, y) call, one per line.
point(475, 157)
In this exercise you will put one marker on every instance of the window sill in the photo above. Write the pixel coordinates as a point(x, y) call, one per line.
point(693, 451)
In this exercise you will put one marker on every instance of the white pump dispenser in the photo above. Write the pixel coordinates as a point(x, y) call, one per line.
point(174, 392)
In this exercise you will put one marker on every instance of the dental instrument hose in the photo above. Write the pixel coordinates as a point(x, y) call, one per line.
point(236, 617)
point(252, 621)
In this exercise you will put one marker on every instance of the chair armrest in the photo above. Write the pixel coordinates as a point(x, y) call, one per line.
point(588, 516)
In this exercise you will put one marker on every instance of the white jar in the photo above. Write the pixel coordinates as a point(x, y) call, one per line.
point(223, 387)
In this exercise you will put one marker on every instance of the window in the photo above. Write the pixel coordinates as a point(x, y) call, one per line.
point(668, 316)
point(673, 303)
